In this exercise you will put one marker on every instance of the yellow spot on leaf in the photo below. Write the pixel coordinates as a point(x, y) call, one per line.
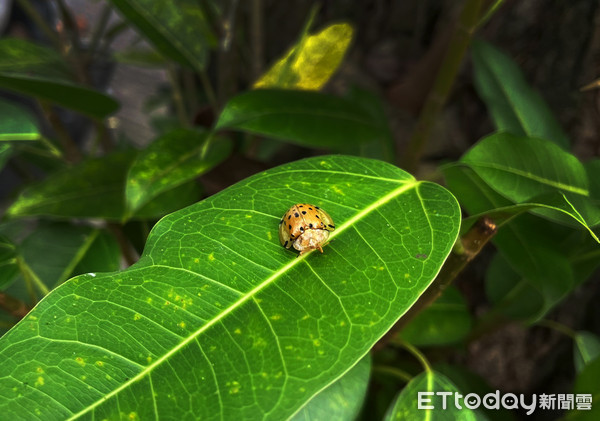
point(39, 382)
point(181, 325)
point(316, 342)
point(80, 361)
point(148, 359)
point(100, 363)
point(39, 370)
point(133, 416)
point(269, 235)
point(234, 387)
point(275, 317)
point(338, 190)
point(237, 331)
point(211, 257)
point(137, 316)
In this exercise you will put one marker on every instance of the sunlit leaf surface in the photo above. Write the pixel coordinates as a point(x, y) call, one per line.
point(217, 320)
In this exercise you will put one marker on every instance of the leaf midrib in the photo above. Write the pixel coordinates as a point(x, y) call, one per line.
point(249, 295)
point(531, 176)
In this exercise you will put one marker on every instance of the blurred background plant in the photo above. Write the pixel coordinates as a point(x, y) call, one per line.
point(116, 113)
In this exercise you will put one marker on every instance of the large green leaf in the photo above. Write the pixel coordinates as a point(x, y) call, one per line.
point(429, 406)
point(341, 400)
point(17, 123)
point(303, 117)
point(217, 320)
point(170, 161)
point(310, 63)
point(520, 168)
point(178, 30)
point(515, 107)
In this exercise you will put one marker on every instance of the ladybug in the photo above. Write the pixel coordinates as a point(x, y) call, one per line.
point(305, 226)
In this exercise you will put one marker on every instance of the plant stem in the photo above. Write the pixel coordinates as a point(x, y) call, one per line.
point(127, 250)
point(73, 154)
point(99, 29)
point(31, 277)
point(393, 371)
point(257, 37)
point(465, 250)
point(178, 97)
point(32, 12)
point(489, 13)
point(68, 270)
point(418, 354)
point(565, 330)
point(13, 306)
point(443, 83)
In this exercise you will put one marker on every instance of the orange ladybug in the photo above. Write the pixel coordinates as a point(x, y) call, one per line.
point(306, 227)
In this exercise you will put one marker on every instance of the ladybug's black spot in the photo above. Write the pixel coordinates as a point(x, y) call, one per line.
point(331, 226)
point(281, 222)
point(296, 214)
point(300, 206)
point(285, 244)
point(301, 229)
point(289, 216)
point(322, 224)
point(303, 212)
point(316, 207)
point(310, 226)
point(310, 208)
point(317, 216)
point(289, 226)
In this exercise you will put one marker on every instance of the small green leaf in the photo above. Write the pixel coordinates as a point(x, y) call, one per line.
point(343, 399)
point(23, 57)
point(310, 63)
point(179, 30)
point(515, 107)
point(520, 168)
point(91, 189)
point(34, 70)
point(169, 201)
point(170, 161)
point(217, 320)
point(530, 244)
point(66, 94)
point(406, 405)
point(444, 322)
point(302, 117)
point(17, 123)
point(58, 251)
point(586, 348)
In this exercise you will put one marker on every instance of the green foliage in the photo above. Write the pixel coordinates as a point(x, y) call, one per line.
point(150, 283)
point(220, 293)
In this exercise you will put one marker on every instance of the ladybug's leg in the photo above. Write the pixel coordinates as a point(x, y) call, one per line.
point(320, 248)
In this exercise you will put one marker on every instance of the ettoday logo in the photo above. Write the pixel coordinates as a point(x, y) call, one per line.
point(495, 400)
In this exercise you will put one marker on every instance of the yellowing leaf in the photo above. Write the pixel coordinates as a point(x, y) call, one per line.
point(310, 64)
